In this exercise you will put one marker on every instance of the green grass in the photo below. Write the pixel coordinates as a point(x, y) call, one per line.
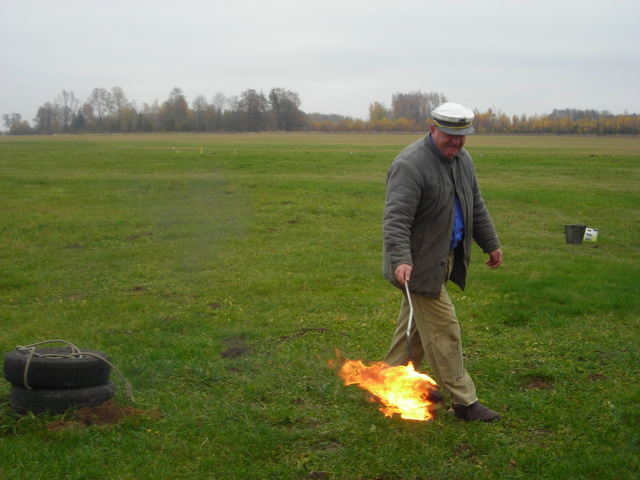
point(221, 273)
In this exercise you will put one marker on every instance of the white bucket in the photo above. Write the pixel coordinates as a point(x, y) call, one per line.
point(591, 235)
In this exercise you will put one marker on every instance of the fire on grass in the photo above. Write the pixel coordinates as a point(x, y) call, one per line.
point(401, 390)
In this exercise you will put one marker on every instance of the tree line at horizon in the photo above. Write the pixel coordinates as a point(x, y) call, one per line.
point(109, 111)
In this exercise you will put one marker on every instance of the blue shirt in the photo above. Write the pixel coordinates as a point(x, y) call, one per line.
point(458, 225)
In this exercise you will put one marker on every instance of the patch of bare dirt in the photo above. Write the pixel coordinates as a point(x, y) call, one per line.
point(302, 332)
point(236, 347)
point(133, 236)
point(317, 475)
point(107, 413)
point(537, 383)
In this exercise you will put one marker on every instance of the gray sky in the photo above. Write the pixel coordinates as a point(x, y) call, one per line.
point(520, 57)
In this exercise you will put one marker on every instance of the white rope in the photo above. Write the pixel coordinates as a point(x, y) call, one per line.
point(410, 323)
point(74, 353)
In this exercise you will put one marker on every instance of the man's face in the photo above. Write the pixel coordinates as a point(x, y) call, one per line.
point(450, 145)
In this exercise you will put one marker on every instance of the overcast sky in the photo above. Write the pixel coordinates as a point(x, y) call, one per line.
point(517, 56)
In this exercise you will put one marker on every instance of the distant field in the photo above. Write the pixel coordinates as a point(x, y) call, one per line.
point(221, 272)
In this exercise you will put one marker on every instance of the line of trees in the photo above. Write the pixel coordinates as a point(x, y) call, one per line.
point(109, 111)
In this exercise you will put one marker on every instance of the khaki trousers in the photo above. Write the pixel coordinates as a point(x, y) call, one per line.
point(435, 334)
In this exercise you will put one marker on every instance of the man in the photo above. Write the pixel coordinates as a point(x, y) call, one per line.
point(433, 212)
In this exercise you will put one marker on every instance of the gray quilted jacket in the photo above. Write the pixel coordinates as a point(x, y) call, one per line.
point(418, 216)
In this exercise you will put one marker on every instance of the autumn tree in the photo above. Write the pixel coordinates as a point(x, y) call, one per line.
point(231, 120)
point(46, 120)
point(100, 103)
point(377, 112)
point(416, 105)
point(253, 109)
point(150, 117)
point(175, 113)
point(219, 102)
point(66, 106)
point(15, 125)
point(118, 107)
point(200, 107)
point(285, 106)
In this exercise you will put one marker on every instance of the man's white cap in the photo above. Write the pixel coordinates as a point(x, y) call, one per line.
point(454, 119)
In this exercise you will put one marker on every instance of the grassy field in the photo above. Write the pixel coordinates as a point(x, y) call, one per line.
point(221, 273)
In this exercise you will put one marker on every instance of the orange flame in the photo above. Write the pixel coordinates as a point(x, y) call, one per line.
point(399, 389)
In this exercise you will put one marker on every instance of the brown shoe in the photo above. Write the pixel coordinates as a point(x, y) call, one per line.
point(476, 411)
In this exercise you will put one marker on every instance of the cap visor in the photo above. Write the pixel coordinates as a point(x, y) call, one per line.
point(457, 131)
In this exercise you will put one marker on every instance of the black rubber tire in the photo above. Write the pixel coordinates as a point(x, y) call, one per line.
point(40, 400)
point(56, 373)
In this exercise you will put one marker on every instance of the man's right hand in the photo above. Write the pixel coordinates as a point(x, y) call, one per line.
point(403, 273)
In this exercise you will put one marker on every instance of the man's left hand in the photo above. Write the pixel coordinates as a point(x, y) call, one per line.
point(495, 259)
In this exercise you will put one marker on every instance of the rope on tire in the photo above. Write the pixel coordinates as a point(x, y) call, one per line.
point(75, 353)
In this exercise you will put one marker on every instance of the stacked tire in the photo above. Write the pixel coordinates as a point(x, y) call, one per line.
point(55, 380)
